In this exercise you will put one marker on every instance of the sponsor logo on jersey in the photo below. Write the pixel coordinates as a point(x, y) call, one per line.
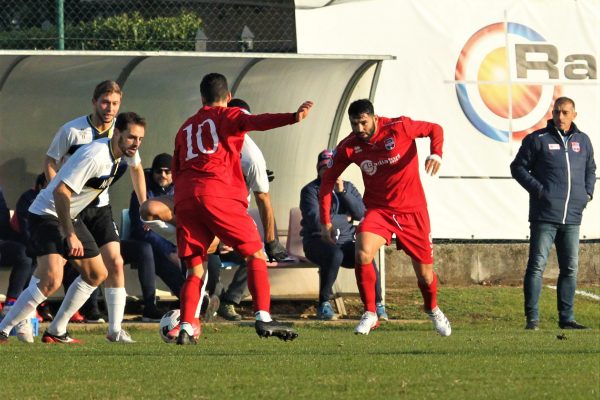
point(575, 147)
point(389, 143)
point(357, 149)
point(553, 146)
point(368, 167)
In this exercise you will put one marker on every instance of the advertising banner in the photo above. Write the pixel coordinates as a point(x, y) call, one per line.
point(488, 72)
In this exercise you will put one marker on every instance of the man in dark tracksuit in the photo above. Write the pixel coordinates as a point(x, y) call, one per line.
point(347, 206)
point(556, 166)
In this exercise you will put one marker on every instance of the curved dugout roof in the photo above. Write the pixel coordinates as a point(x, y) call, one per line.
point(40, 91)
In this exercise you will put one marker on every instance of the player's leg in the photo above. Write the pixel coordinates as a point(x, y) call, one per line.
point(190, 300)
point(45, 281)
point(367, 246)
point(231, 222)
point(92, 273)
point(46, 243)
point(158, 208)
point(159, 215)
point(99, 222)
point(414, 237)
point(194, 241)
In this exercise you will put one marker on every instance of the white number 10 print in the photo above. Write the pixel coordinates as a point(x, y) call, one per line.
point(199, 143)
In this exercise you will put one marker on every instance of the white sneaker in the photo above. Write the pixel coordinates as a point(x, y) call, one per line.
point(440, 322)
point(367, 322)
point(24, 331)
point(122, 337)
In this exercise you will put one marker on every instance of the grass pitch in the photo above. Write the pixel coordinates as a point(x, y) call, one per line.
point(489, 355)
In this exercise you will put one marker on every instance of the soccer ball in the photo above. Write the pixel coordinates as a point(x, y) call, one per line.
point(169, 326)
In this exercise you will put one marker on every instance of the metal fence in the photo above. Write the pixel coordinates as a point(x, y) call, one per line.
point(168, 25)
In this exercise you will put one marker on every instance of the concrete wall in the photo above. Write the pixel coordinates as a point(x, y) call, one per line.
point(463, 264)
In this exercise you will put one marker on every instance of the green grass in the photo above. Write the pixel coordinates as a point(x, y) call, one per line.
point(489, 355)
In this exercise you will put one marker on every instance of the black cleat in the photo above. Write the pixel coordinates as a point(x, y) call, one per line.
point(3, 338)
point(185, 338)
point(274, 328)
point(571, 325)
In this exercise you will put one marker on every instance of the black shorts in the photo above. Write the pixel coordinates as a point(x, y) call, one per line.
point(47, 238)
point(99, 222)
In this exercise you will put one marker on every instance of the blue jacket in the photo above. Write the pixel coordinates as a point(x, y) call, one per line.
point(138, 232)
point(559, 178)
point(347, 203)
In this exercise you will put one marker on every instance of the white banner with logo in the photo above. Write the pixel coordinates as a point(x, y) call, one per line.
point(488, 73)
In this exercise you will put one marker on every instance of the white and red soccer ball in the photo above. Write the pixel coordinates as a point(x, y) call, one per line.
point(169, 326)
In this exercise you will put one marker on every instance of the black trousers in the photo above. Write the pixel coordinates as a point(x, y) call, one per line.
point(14, 254)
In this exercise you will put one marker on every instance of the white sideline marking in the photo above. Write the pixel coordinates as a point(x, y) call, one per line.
point(581, 292)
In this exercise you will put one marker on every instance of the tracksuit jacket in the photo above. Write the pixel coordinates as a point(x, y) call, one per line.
point(343, 204)
point(559, 176)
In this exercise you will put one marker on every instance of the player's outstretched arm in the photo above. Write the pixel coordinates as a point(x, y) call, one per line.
point(303, 110)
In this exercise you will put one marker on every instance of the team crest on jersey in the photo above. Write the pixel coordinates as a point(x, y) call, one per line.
point(575, 147)
point(389, 143)
point(368, 167)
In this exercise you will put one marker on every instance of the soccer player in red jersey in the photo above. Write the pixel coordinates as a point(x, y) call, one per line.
point(386, 152)
point(211, 199)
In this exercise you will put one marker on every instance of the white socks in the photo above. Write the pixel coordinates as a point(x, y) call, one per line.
point(25, 305)
point(115, 304)
point(202, 293)
point(76, 296)
point(263, 316)
point(163, 228)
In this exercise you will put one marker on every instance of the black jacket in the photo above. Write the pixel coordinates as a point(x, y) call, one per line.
point(560, 179)
point(348, 203)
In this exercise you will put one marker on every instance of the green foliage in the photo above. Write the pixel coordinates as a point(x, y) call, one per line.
point(20, 39)
point(133, 32)
point(118, 32)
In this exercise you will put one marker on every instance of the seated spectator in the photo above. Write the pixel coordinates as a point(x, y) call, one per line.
point(165, 262)
point(347, 206)
point(15, 250)
point(13, 253)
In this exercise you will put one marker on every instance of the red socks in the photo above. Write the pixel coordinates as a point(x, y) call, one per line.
point(189, 298)
point(365, 279)
point(429, 293)
point(258, 284)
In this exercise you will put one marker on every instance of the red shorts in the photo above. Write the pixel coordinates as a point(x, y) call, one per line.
point(202, 218)
point(413, 232)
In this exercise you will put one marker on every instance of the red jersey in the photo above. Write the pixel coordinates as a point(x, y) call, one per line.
point(208, 145)
point(389, 164)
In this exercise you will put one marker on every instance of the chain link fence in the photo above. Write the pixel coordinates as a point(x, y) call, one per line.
point(152, 25)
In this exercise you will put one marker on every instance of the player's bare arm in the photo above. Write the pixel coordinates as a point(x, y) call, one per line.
point(139, 182)
point(50, 168)
point(62, 201)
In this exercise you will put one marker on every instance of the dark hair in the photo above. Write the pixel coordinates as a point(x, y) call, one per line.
point(40, 181)
point(214, 88)
point(128, 118)
point(562, 100)
point(106, 87)
point(362, 106)
point(239, 103)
